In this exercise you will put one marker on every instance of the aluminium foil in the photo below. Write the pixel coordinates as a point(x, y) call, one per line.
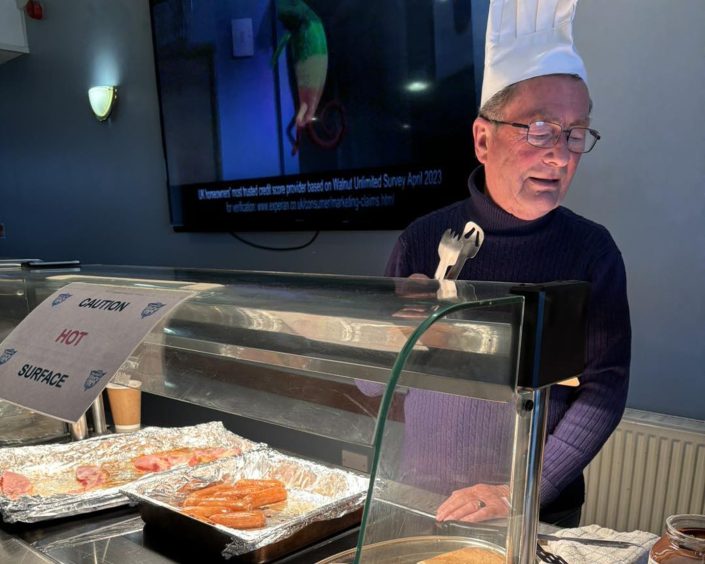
point(315, 493)
point(51, 469)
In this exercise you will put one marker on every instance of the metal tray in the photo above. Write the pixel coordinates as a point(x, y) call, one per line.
point(192, 537)
point(322, 500)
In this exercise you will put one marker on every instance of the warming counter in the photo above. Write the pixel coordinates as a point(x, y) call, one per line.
point(336, 370)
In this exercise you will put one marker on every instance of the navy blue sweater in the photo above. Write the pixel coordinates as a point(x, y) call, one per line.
point(558, 246)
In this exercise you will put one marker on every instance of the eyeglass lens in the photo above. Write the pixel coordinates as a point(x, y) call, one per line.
point(545, 134)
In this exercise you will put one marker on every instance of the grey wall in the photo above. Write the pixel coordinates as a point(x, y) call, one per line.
point(645, 181)
point(73, 188)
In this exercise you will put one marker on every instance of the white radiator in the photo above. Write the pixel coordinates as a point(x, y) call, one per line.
point(652, 466)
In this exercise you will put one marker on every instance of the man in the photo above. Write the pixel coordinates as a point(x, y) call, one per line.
point(529, 137)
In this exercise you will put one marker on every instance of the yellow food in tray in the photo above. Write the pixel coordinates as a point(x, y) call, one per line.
point(468, 555)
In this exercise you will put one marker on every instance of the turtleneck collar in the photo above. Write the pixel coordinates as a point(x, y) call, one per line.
point(490, 216)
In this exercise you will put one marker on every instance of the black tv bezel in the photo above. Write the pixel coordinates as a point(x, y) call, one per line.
point(183, 220)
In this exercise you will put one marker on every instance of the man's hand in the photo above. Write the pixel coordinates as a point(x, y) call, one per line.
point(476, 503)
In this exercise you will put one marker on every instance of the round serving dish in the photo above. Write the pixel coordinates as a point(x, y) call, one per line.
point(411, 550)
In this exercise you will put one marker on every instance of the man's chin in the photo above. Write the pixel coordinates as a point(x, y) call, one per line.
point(538, 208)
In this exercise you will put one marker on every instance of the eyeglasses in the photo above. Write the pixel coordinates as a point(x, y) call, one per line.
point(545, 134)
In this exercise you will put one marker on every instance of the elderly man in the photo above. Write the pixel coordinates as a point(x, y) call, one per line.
point(529, 136)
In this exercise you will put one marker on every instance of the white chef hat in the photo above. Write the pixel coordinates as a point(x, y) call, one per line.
point(528, 38)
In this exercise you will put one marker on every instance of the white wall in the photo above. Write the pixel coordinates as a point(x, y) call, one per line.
point(645, 181)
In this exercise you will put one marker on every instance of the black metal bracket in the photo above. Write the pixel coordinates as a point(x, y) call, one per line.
point(553, 332)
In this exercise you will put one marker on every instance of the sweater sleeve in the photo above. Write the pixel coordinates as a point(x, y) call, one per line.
point(601, 396)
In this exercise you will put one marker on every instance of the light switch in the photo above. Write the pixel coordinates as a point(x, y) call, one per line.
point(243, 38)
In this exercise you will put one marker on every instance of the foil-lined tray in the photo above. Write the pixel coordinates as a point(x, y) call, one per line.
point(317, 494)
point(52, 468)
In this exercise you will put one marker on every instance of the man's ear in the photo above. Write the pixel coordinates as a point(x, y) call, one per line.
point(480, 134)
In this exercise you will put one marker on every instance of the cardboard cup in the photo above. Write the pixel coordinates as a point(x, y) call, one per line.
point(126, 405)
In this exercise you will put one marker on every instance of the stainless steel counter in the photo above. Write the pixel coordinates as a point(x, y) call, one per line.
point(120, 536)
point(13, 549)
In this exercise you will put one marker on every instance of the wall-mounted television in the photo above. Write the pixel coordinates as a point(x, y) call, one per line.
point(315, 114)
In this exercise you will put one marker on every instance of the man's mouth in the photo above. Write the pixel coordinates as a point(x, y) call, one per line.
point(546, 182)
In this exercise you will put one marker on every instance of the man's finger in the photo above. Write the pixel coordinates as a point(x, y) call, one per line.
point(482, 515)
point(459, 508)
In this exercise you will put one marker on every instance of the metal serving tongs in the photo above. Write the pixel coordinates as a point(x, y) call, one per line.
point(454, 250)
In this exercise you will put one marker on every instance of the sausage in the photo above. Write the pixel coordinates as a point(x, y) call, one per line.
point(204, 511)
point(249, 486)
point(261, 498)
point(249, 493)
point(234, 502)
point(240, 519)
point(197, 498)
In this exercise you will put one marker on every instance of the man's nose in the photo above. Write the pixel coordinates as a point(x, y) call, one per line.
point(558, 155)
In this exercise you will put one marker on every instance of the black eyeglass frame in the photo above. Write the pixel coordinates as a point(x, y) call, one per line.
point(595, 134)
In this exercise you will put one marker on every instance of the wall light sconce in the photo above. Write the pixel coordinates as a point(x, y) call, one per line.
point(102, 99)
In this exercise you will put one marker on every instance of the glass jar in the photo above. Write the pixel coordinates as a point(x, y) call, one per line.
point(683, 542)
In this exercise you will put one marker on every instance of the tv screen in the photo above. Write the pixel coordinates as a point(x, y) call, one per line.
point(323, 114)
